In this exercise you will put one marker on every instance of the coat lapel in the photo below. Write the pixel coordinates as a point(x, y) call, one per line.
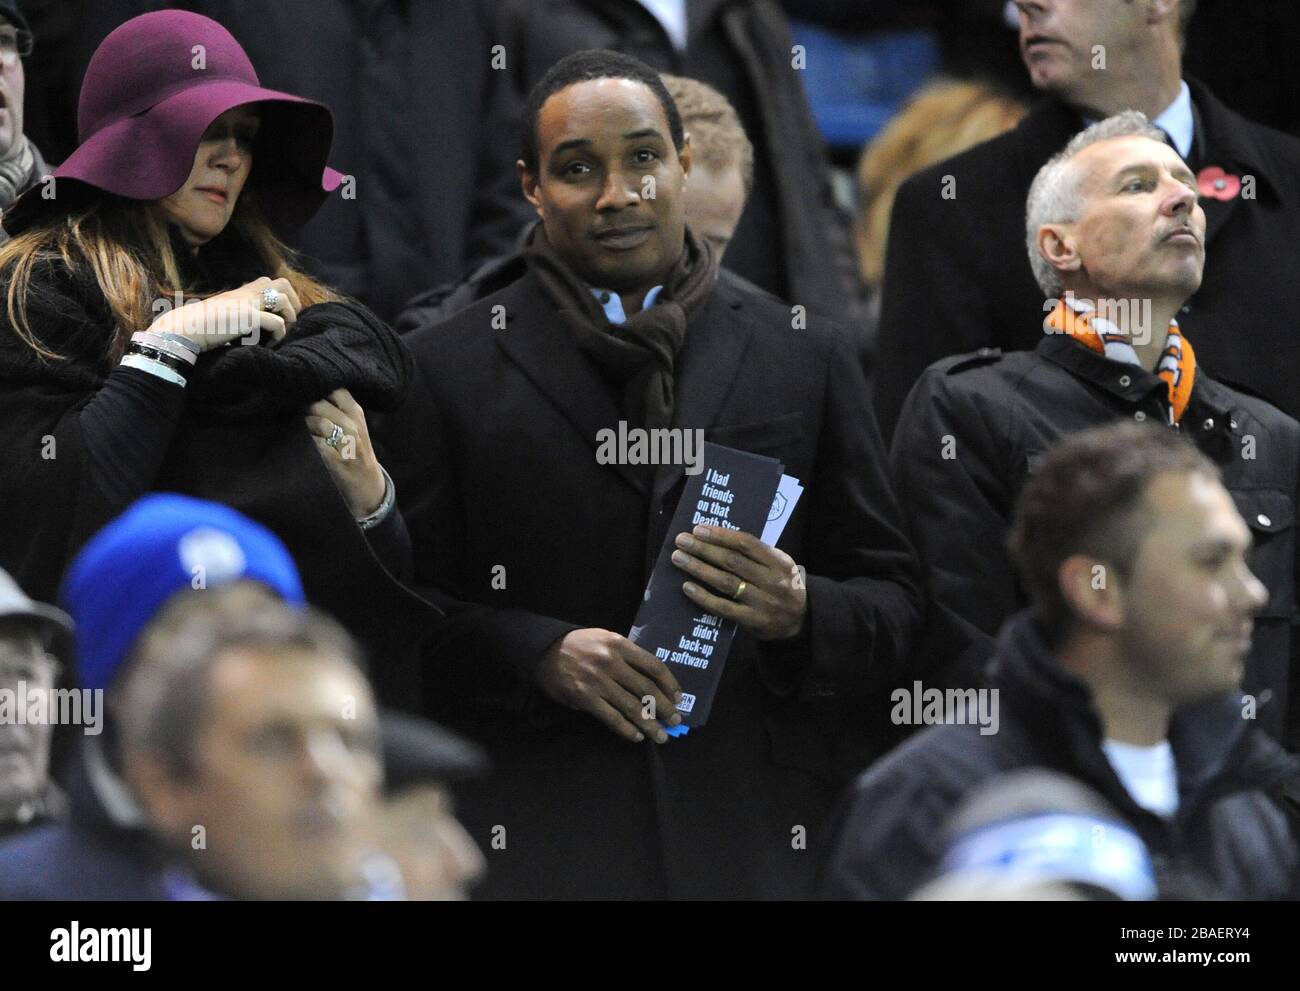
point(535, 340)
point(1222, 141)
point(706, 369)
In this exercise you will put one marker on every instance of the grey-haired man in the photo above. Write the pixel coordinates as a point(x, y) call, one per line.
point(1116, 241)
point(33, 638)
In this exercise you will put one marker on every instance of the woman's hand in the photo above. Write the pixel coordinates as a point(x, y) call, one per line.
point(230, 316)
point(351, 458)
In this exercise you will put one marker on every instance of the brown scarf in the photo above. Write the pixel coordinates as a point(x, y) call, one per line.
point(637, 355)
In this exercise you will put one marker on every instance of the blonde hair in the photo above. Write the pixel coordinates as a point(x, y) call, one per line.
point(944, 119)
point(718, 139)
point(125, 245)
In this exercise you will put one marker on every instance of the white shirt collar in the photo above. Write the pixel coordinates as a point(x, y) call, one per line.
point(1177, 121)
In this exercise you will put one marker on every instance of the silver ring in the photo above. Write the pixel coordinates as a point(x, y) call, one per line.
point(271, 299)
point(335, 439)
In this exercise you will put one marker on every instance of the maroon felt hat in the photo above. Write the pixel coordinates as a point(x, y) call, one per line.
point(152, 88)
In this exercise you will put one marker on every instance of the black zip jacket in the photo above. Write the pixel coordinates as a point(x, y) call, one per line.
point(1231, 836)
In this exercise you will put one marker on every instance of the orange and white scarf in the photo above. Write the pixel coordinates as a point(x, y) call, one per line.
point(1177, 364)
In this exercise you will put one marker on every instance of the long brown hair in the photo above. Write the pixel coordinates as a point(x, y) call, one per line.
point(125, 245)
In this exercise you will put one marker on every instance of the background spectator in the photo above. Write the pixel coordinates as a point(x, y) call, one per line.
point(1125, 675)
point(945, 118)
point(21, 164)
point(958, 278)
point(1036, 834)
point(34, 643)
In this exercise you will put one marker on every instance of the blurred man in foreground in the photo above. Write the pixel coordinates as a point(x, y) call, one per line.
point(242, 756)
point(1123, 675)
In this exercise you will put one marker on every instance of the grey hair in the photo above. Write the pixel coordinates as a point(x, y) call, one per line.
point(162, 703)
point(1054, 194)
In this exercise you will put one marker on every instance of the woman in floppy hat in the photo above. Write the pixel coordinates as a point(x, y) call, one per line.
point(156, 333)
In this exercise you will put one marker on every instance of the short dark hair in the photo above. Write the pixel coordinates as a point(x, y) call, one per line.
point(1088, 498)
point(581, 67)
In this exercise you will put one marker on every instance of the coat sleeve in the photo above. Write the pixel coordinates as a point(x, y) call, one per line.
point(83, 448)
point(932, 304)
point(481, 654)
point(889, 829)
point(951, 470)
point(862, 577)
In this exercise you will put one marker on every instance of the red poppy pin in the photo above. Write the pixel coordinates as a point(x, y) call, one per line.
point(1213, 181)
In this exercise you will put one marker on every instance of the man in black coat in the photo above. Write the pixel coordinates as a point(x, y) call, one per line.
point(548, 550)
point(976, 426)
point(792, 240)
point(1123, 675)
point(956, 276)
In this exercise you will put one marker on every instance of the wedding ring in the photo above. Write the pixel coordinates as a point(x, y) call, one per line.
point(335, 439)
point(271, 299)
point(740, 590)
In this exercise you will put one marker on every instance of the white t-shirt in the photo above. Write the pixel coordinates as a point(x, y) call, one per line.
point(1148, 773)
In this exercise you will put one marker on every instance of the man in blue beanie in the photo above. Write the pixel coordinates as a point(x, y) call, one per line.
point(243, 753)
point(123, 578)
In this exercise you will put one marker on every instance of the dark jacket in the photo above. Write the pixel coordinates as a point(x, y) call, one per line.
point(957, 276)
point(443, 302)
point(498, 479)
point(39, 168)
point(425, 129)
point(792, 240)
point(50, 805)
point(87, 857)
point(1230, 837)
point(1004, 411)
point(237, 437)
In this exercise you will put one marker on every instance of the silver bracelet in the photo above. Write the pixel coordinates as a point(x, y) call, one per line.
point(385, 506)
point(153, 368)
point(166, 343)
point(179, 339)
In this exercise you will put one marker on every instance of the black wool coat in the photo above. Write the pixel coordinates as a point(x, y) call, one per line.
point(957, 274)
point(498, 477)
point(1231, 837)
point(975, 428)
point(240, 440)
